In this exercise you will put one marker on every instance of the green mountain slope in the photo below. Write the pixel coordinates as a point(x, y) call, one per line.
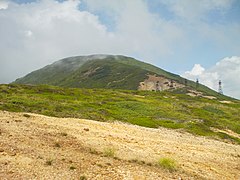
point(52, 74)
point(105, 71)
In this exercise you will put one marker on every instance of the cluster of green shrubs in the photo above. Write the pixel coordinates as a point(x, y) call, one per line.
point(150, 109)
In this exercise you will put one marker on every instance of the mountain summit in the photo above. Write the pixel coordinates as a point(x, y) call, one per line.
point(111, 72)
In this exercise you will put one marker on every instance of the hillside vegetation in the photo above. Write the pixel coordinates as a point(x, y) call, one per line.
point(103, 71)
point(196, 115)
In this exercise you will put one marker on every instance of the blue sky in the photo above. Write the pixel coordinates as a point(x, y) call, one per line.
point(189, 37)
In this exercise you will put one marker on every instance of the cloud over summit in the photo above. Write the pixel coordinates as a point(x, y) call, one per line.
point(35, 34)
point(171, 34)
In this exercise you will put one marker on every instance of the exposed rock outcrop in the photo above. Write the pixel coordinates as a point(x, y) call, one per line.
point(158, 83)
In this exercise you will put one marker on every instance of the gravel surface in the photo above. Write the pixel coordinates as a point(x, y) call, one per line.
point(39, 147)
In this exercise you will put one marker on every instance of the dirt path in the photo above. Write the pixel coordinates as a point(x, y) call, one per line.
point(40, 147)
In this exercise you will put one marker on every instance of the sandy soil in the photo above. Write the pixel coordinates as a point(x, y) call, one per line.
point(40, 147)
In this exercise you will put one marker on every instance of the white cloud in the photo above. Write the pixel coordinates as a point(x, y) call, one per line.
point(28, 33)
point(110, 6)
point(196, 70)
point(3, 4)
point(195, 9)
point(35, 34)
point(145, 33)
point(227, 70)
point(204, 20)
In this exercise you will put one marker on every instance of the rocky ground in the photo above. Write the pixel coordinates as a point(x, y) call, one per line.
point(38, 147)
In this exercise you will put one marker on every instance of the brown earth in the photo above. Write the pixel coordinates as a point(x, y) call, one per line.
point(38, 147)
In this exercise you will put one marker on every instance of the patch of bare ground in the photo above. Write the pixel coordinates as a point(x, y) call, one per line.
point(38, 147)
point(227, 131)
point(226, 102)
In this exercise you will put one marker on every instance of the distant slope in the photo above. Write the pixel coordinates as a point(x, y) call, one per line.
point(104, 71)
point(52, 74)
point(95, 71)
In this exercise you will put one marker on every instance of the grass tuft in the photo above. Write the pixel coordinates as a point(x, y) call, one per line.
point(109, 152)
point(83, 177)
point(167, 163)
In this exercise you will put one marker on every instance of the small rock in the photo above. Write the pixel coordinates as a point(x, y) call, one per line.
point(12, 154)
point(86, 129)
point(17, 120)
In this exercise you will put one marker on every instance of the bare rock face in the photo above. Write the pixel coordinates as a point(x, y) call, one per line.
point(158, 83)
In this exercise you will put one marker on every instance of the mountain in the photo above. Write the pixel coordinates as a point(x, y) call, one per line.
point(117, 92)
point(112, 72)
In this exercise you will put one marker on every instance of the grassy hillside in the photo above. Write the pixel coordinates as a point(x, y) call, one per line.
point(54, 73)
point(103, 71)
point(151, 109)
point(153, 69)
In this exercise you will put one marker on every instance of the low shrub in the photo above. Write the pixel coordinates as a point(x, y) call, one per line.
point(168, 163)
point(109, 152)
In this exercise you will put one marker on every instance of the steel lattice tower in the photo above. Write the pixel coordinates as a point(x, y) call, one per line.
point(220, 87)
